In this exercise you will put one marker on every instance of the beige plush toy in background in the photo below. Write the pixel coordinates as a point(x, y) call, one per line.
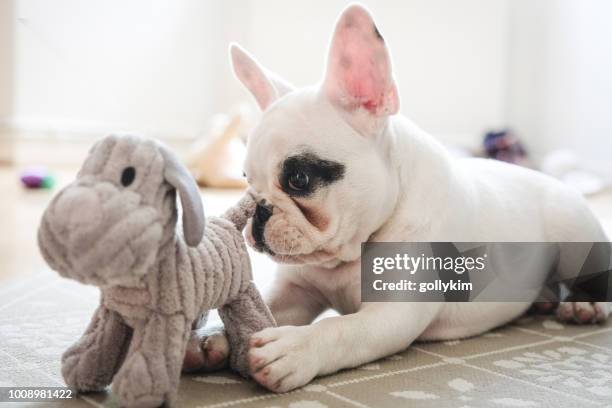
point(216, 160)
point(115, 227)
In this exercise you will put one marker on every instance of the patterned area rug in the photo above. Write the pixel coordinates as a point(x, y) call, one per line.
point(535, 362)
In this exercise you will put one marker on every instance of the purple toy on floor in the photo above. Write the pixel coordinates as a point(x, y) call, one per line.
point(37, 177)
point(505, 146)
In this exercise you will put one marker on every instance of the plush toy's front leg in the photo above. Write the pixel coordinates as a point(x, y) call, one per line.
point(150, 374)
point(89, 365)
point(242, 318)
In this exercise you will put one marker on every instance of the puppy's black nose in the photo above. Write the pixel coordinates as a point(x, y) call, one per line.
point(262, 215)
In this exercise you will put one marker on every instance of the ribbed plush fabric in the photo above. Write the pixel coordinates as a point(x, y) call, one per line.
point(115, 227)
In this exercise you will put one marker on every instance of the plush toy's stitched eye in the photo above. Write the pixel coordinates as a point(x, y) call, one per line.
point(298, 181)
point(128, 176)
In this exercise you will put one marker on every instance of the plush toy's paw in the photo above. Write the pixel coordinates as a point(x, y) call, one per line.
point(583, 312)
point(80, 369)
point(142, 382)
point(282, 358)
point(206, 351)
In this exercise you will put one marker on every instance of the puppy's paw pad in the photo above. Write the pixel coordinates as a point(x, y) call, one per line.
point(275, 376)
point(583, 312)
point(285, 363)
point(206, 352)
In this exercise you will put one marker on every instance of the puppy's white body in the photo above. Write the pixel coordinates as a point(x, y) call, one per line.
point(375, 176)
point(431, 196)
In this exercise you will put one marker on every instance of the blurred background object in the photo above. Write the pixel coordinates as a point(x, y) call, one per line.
point(216, 158)
point(566, 166)
point(505, 146)
point(72, 71)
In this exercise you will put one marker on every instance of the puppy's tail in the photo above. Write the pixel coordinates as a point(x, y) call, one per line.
point(242, 211)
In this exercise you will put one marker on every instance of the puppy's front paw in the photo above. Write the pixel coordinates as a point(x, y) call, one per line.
point(207, 350)
point(583, 312)
point(283, 358)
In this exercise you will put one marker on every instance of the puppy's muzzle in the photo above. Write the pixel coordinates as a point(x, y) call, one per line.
point(262, 215)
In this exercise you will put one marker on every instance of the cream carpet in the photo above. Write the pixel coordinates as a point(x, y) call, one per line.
point(535, 362)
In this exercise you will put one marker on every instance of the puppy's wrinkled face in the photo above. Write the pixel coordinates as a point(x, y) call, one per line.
point(318, 160)
point(105, 227)
point(321, 187)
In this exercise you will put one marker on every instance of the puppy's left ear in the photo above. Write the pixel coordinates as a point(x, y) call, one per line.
point(193, 212)
point(265, 86)
point(358, 78)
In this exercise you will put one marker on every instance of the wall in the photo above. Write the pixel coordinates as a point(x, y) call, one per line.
point(6, 79)
point(73, 67)
point(85, 66)
point(560, 82)
point(449, 56)
point(6, 59)
point(89, 66)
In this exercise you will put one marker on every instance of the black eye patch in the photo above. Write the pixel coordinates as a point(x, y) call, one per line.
point(308, 166)
point(127, 176)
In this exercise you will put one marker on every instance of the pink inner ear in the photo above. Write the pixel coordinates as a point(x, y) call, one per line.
point(359, 66)
point(253, 77)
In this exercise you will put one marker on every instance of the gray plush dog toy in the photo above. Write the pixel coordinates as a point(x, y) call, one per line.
point(115, 227)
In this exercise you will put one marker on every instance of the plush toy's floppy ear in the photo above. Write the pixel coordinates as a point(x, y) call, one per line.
point(193, 212)
point(265, 86)
point(358, 78)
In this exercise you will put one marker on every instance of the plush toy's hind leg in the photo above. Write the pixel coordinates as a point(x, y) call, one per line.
point(242, 318)
point(89, 365)
point(152, 368)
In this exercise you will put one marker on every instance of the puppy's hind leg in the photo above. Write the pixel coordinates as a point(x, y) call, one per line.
point(197, 354)
point(207, 348)
point(583, 312)
point(590, 283)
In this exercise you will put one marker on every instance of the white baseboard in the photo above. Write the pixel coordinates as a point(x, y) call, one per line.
point(64, 146)
point(67, 129)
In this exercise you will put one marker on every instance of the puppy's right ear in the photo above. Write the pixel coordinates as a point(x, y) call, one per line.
point(359, 78)
point(265, 86)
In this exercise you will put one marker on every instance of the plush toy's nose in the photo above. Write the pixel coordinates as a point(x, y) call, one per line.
point(78, 208)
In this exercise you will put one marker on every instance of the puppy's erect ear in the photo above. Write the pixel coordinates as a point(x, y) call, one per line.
point(358, 78)
point(193, 212)
point(265, 86)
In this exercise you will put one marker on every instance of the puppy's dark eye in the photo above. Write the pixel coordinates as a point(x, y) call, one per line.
point(298, 181)
point(127, 176)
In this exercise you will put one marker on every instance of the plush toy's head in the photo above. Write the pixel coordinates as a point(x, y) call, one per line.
point(107, 226)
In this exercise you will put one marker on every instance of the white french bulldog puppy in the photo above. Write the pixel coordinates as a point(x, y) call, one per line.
point(334, 166)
